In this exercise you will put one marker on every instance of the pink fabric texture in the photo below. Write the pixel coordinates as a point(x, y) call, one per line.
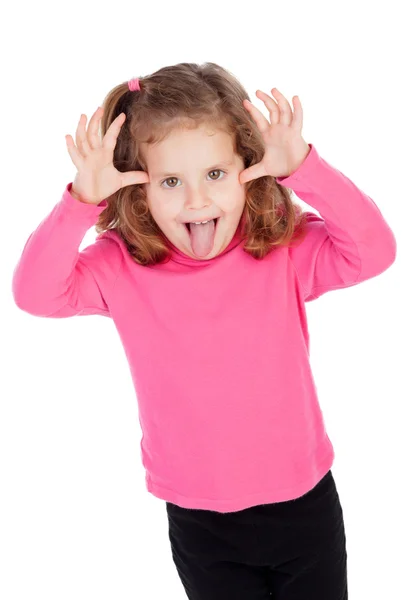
point(218, 349)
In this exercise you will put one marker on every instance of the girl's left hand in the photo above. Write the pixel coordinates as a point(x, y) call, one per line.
point(285, 147)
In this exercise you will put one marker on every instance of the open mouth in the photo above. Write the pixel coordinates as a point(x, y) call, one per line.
point(188, 225)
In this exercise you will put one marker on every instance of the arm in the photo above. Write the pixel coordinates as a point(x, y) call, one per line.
point(351, 243)
point(54, 279)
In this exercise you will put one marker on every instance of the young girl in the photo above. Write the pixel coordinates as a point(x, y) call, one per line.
point(204, 263)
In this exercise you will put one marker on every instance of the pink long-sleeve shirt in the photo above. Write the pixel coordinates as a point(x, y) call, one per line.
point(218, 349)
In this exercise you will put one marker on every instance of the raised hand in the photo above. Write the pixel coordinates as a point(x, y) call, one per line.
point(96, 177)
point(285, 148)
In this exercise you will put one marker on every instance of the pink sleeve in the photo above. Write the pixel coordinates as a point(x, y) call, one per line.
point(54, 279)
point(349, 243)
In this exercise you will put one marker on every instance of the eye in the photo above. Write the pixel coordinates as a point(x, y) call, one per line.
point(172, 186)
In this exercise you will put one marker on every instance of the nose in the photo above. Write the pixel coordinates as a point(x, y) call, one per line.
point(196, 200)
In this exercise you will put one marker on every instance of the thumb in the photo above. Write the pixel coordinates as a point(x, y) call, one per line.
point(252, 172)
point(133, 177)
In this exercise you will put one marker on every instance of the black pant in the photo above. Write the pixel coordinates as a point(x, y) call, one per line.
point(294, 550)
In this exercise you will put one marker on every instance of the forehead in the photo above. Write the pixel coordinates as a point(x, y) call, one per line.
point(190, 147)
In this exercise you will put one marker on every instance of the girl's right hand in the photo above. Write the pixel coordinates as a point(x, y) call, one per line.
point(96, 177)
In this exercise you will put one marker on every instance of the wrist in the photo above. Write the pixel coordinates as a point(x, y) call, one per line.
point(78, 197)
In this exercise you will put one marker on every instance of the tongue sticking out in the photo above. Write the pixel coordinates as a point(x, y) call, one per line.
point(202, 237)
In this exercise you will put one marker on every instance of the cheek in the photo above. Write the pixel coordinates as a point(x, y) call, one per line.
point(233, 202)
point(161, 210)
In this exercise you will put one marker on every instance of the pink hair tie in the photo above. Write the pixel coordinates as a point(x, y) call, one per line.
point(134, 84)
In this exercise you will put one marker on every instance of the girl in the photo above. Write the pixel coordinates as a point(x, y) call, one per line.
point(204, 263)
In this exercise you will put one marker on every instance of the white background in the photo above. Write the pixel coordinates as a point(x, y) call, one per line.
point(75, 518)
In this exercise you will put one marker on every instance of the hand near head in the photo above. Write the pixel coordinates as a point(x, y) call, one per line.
point(96, 177)
point(285, 148)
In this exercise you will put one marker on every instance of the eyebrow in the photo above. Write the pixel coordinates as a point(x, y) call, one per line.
point(215, 166)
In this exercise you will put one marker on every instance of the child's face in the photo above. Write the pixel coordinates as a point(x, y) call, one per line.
point(186, 183)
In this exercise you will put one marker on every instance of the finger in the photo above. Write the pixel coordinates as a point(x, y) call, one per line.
point(133, 177)
point(73, 152)
point(252, 172)
point(81, 138)
point(297, 122)
point(271, 105)
point(92, 132)
point(111, 135)
point(284, 106)
point(260, 120)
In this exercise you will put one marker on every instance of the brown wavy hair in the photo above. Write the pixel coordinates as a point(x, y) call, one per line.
point(186, 95)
